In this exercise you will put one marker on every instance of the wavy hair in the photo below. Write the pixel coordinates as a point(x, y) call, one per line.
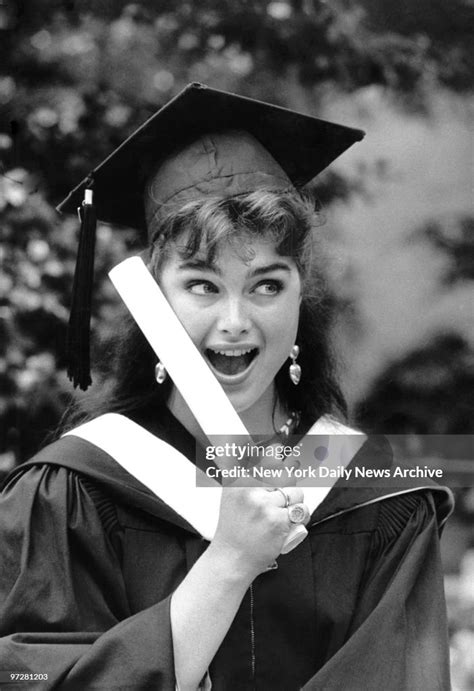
point(290, 221)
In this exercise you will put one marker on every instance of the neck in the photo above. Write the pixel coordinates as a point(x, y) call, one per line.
point(260, 420)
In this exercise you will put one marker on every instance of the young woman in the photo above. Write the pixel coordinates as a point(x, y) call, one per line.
point(105, 585)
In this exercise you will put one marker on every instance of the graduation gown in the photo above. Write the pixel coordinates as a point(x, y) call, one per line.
point(89, 558)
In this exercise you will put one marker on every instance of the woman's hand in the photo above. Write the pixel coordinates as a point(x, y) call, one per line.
point(253, 526)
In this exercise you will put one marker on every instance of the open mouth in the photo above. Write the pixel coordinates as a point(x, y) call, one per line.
point(231, 362)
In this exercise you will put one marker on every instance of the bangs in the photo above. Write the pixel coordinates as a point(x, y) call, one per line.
point(202, 226)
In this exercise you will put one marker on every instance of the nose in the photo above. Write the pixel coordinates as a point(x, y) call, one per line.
point(233, 319)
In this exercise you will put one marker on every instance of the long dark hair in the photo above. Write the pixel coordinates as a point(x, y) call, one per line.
point(288, 219)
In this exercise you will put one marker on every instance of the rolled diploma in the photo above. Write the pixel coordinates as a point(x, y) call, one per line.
point(187, 368)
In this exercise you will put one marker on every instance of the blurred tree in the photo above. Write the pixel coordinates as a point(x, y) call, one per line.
point(429, 391)
point(445, 28)
point(455, 237)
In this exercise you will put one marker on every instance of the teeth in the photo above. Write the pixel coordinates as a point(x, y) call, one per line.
point(233, 353)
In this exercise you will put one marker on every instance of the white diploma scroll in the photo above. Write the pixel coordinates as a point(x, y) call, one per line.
point(187, 368)
point(172, 345)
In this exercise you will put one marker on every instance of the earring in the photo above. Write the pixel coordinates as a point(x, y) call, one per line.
point(160, 372)
point(295, 369)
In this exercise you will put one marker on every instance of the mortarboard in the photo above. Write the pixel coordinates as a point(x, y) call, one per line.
point(202, 142)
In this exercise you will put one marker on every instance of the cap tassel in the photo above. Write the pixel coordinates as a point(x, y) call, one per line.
point(78, 336)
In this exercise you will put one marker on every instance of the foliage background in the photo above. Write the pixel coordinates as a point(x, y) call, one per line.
point(78, 77)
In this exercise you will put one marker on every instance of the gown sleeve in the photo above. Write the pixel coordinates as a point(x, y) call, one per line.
point(63, 603)
point(398, 638)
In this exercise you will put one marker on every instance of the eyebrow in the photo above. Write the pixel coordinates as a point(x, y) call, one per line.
point(205, 265)
point(276, 266)
point(200, 265)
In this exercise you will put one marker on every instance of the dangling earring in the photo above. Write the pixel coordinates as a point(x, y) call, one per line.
point(295, 369)
point(160, 372)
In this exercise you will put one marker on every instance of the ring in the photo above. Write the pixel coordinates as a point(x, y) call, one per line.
point(284, 494)
point(298, 513)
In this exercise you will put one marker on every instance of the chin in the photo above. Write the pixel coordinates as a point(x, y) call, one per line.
point(240, 402)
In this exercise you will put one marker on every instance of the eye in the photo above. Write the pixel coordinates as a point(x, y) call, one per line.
point(201, 287)
point(269, 287)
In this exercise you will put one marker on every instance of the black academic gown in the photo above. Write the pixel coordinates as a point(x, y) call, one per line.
point(90, 558)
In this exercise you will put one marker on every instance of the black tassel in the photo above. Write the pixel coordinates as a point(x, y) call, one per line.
point(78, 336)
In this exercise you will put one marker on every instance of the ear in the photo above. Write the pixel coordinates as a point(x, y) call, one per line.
point(302, 286)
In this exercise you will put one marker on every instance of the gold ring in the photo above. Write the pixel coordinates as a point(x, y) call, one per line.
point(298, 513)
point(284, 495)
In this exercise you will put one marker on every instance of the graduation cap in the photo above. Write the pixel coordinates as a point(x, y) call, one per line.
point(203, 142)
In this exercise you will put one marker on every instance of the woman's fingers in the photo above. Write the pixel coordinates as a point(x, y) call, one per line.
point(255, 523)
point(284, 496)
